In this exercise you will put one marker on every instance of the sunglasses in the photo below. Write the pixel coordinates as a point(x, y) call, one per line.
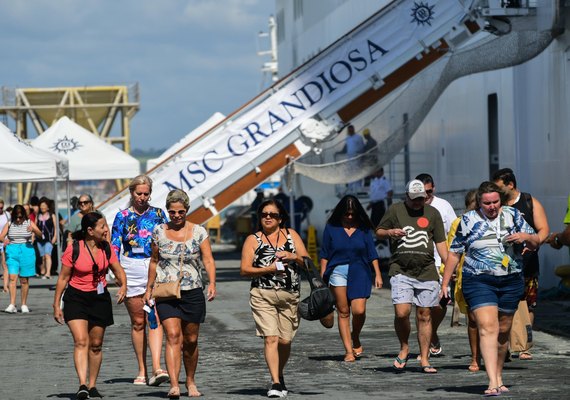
point(82, 203)
point(270, 215)
point(430, 191)
point(19, 216)
point(174, 212)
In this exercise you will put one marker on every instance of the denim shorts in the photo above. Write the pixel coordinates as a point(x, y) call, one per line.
point(45, 248)
point(504, 291)
point(339, 276)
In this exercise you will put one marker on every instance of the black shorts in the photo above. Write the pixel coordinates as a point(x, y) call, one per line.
point(191, 307)
point(90, 306)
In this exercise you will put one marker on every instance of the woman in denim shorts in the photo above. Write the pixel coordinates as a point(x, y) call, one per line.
point(492, 238)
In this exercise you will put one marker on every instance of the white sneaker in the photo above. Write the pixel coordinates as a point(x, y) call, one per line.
point(11, 309)
point(25, 309)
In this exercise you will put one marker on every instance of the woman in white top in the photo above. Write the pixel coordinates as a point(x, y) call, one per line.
point(20, 255)
point(179, 248)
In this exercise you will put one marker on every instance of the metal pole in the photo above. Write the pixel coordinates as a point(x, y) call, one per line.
point(57, 238)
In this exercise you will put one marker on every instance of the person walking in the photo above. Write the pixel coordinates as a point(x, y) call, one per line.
point(20, 255)
point(4, 219)
point(533, 213)
point(88, 309)
point(131, 241)
point(271, 257)
point(348, 256)
point(179, 248)
point(45, 242)
point(493, 238)
point(448, 216)
point(414, 229)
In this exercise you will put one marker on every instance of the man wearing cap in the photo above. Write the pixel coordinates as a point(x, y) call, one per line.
point(414, 228)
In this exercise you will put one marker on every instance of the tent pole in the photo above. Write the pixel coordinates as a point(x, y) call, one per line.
point(58, 239)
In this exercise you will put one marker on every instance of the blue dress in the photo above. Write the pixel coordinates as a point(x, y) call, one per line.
point(358, 251)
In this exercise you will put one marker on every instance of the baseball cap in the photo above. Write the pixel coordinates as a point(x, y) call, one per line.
point(415, 189)
point(366, 132)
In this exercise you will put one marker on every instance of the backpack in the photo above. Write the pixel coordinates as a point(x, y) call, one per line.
point(320, 301)
point(75, 251)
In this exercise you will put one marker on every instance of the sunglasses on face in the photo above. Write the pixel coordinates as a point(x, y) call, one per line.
point(430, 191)
point(174, 212)
point(271, 215)
point(19, 216)
point(82, 203)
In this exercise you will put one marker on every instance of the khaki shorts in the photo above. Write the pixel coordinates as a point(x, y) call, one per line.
point(274, 312)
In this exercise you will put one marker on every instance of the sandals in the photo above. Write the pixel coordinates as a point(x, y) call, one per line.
point(401, 361)
point(435, 349)
point(140, 381)
point(349, 357)
point(159, 376)
point(503, 389)
point(174, 393)
point(357, 351)
point(428, 369)
point(492, 392)
point(193, 391)
point(525, 355)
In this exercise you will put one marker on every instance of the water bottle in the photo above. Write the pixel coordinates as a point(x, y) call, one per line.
point(152, 322)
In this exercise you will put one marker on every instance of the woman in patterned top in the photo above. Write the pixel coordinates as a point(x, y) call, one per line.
point(20, 255)
point(271, 257)
point(132, 231)
point(493, 238)
point(178, 249)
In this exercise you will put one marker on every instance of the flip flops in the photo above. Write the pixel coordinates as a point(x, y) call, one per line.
point(159, 376)
point(358, 351)
point(139, 381)
point(402, 362)
point(492, 392)
point(428, 369)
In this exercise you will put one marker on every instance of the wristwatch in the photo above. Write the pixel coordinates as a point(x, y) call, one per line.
point(557, 240)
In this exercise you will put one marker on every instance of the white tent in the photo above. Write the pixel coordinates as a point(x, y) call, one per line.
point(90, 157)
point(20, 162)
point(193, 135)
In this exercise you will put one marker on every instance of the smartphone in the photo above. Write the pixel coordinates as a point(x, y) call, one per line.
point(444, 301)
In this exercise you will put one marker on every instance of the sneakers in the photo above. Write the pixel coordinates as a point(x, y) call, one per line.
point(11, 309)
point(283, 387)
point(94, 393)
point(25, 309)
point(276, 391)
point(82, 393)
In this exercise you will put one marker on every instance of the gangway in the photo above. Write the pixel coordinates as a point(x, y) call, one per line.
point(285, 121)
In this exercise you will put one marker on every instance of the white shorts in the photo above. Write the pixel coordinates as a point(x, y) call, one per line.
point(406, 290)
point(136, 270)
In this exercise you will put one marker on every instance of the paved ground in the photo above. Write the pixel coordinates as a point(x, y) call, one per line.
point(36, 355)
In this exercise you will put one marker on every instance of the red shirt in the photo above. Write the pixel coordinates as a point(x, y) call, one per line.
point(82, 273)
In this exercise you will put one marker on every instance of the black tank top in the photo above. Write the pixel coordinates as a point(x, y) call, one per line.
point(530, 259)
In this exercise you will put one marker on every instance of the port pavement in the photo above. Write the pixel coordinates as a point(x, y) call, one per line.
point(36, 355)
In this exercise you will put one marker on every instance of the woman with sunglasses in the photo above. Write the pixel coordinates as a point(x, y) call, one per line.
point(20, 255)
point(271, 257)
point(131, 241)
point(179, 248)
point(347, 253)
point(88, 309)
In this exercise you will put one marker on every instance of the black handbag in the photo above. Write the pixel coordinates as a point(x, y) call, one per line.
point(320, 302)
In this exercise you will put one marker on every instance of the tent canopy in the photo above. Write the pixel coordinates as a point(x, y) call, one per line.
point(21, 162)
point(90, 157)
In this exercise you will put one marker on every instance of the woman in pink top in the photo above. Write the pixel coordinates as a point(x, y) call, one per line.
point(88, 308)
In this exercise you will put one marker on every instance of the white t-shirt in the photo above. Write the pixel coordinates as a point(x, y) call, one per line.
point(447, 215)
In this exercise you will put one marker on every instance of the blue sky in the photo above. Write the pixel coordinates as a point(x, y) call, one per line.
point(191, 58)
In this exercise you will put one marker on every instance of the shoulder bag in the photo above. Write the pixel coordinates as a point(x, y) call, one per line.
point(170, 290)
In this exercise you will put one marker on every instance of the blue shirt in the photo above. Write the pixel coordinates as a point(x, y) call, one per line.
point(357, 250)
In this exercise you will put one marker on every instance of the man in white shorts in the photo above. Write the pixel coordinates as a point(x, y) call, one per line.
point(413, 228)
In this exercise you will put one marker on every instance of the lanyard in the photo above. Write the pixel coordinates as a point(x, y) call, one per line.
point(495, 225)
point(271, 244)
point(96, 274)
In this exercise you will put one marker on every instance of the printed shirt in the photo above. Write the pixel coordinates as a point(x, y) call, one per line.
point(356, 250)
point(484, 245)
point(171, 253)
point(412, 255)
point(133, 231)
point(82, 272)
point(265, 257)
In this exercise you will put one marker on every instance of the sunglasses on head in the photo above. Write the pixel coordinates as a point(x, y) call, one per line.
point(179, 212)
point(271, 215)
